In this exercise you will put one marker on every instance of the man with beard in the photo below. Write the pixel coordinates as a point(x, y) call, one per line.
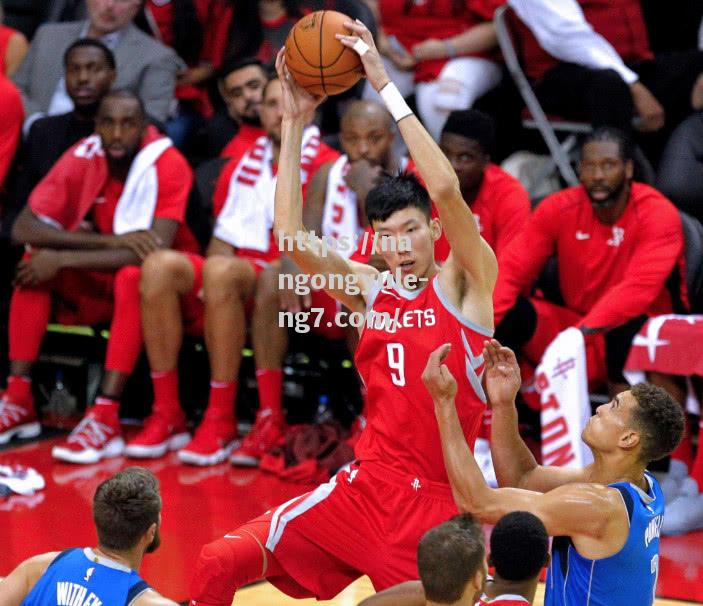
point(616, 243)
point(106, 204)
point(127, 515)
point(233, 130)
point(89, 71)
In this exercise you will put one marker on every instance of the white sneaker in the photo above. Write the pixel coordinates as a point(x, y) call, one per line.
point(684, 514)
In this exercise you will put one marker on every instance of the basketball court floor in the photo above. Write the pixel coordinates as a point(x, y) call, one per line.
point(201, 504)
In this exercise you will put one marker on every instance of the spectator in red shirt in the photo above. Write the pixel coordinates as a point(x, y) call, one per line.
point(616, 243)
point(441, 50)
point(107, 203)
point(498, 201)
point(10, 125)
point(212, 295)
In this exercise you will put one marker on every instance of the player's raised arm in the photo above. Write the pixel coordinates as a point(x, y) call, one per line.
point(469, 251)
point(577, 510)
point(304, 248)
point(514, 464)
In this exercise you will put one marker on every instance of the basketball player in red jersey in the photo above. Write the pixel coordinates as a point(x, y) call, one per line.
point(368, 520)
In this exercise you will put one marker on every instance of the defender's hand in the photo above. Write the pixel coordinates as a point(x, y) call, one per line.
point(437, 378)
point(502, 374)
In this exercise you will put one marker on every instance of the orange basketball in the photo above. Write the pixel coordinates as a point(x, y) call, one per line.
point(319, 62)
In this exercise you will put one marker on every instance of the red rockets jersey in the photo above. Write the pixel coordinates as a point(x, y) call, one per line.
point(401, 430)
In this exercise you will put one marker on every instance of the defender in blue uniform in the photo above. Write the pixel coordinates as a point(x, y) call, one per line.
point(606, 517)
point(127, 514)
point(627, 577)
point(80, 576)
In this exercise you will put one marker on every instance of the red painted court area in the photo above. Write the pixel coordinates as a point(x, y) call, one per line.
point(201, 504)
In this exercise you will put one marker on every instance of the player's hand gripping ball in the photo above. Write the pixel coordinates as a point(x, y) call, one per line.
point(319, 62)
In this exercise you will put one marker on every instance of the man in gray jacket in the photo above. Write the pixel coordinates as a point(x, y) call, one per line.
point(143, 64)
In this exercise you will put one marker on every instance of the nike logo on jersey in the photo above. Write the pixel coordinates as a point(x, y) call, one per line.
point(390, 292)
point(580, 235)
point(89, 573)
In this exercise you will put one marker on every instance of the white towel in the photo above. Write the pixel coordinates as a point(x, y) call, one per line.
point(136, 206)
point(246, 218)
point(562, 383)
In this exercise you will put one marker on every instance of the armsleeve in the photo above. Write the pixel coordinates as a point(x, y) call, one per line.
point(175, 180)
point(562, 30)
point(513, 214)
point(525, 256)
point(657, 249)
point(10, 127)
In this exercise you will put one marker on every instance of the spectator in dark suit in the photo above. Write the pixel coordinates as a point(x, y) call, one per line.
point(89, 71)
point(145, 66)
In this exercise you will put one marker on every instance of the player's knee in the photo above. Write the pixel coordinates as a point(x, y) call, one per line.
point(225, 565)
point(163, 271)
point(225, 276)
point(267, 291)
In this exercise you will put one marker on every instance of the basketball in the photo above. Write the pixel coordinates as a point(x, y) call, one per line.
point(319, 62)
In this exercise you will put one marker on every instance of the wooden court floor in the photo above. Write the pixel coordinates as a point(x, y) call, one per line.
point(265, 594)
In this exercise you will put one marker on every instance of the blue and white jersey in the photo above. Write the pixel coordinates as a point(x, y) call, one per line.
point(77, 577)
point(629, 576)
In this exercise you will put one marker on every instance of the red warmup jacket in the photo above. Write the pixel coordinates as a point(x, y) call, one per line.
point(620, 22)
point(609, 274)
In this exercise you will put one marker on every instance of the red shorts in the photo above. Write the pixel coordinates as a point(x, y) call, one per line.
point(553, 319)
point(192, 303)
point(367, 520)
point(83, 297)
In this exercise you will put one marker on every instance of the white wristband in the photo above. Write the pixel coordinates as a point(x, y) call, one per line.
point(394, 102)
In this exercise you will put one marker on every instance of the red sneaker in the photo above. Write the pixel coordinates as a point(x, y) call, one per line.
point(157, 437)
point(96, 437)
point(211, 444)
point(266, 433)
point(17, 420)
